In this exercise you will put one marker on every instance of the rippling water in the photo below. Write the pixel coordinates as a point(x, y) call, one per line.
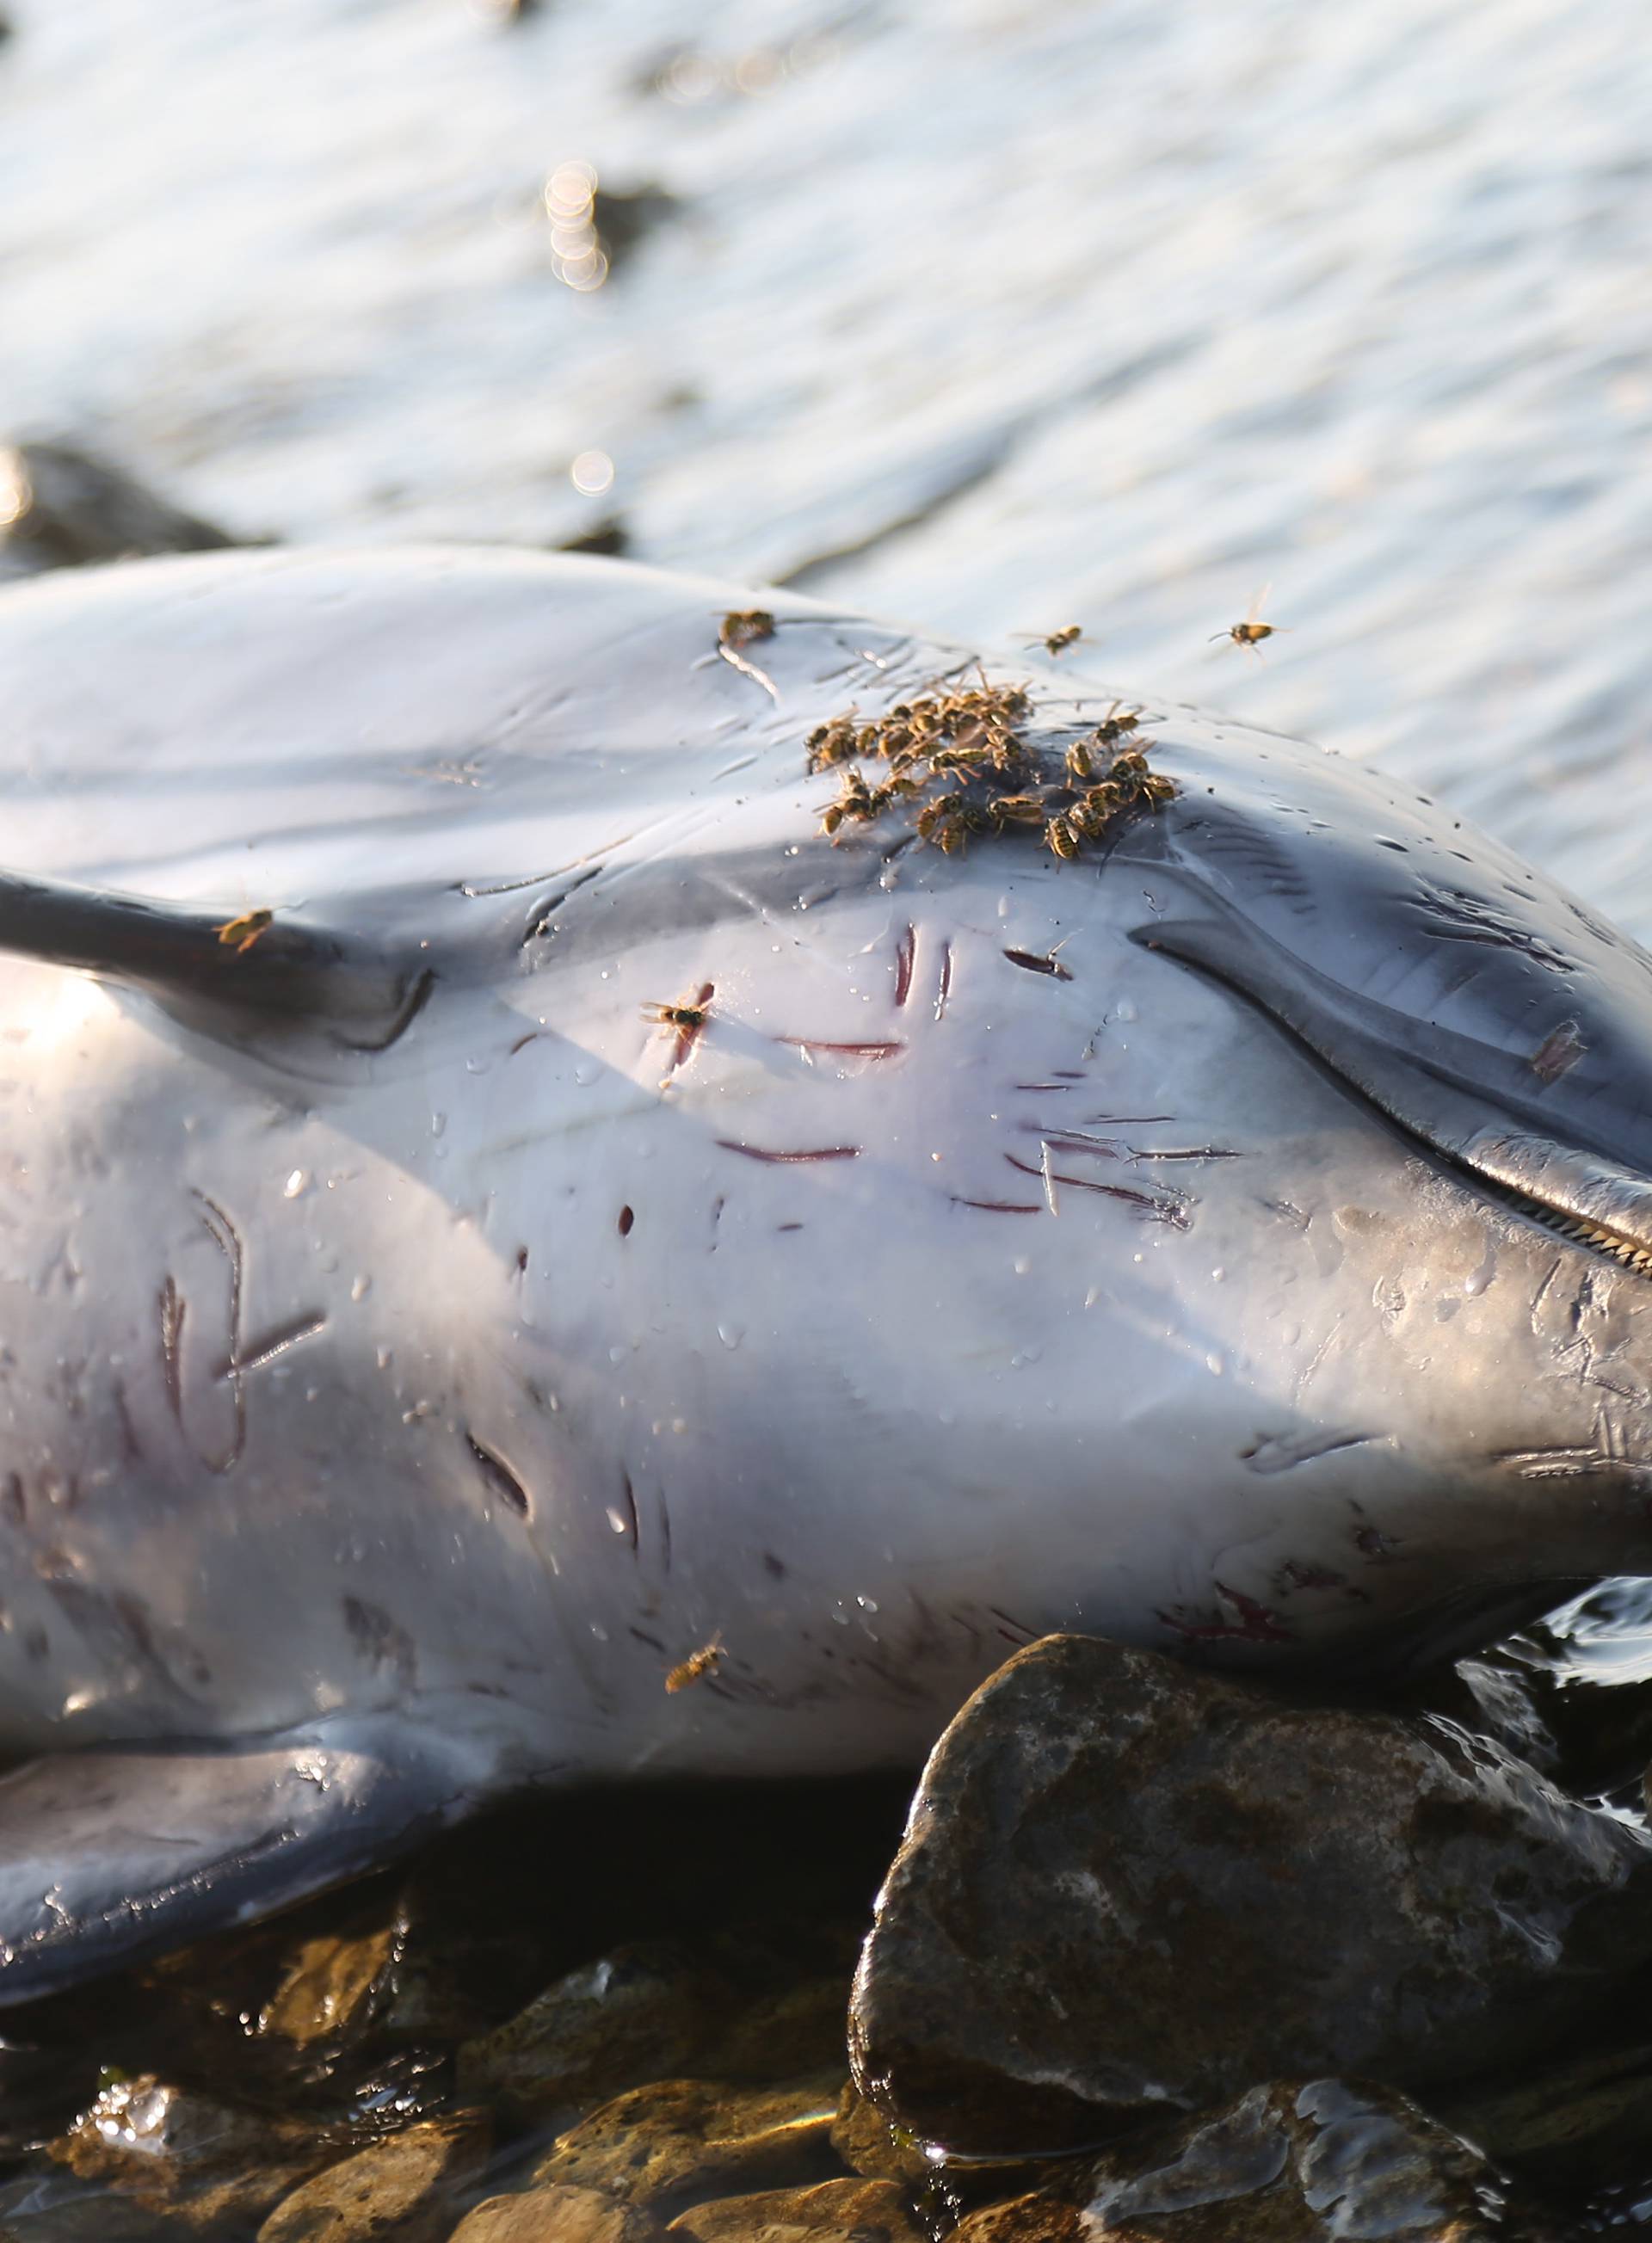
point(995, 316)
point(1106, 314)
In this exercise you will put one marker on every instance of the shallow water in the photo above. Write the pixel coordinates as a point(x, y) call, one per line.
point(994, 317)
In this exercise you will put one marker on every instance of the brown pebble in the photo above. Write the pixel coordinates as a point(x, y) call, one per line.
point(835, 2211)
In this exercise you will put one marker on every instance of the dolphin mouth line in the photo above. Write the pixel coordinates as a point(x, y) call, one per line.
point(1627, 1252)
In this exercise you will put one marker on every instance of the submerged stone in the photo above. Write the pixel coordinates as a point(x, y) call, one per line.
point(832, 2211)
point(195, 2163)
point(682, 2138)
point(1319, 2163)
point(869, 2143)
point(637, 2014)
point(557, 2215)
point(1126, 1884)
point(400, 2187)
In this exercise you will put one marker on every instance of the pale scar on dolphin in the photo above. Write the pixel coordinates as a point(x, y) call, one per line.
point(523, 1259)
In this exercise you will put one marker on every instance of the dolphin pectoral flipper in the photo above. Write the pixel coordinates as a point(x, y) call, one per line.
point(250, 971)
point(106, 1856)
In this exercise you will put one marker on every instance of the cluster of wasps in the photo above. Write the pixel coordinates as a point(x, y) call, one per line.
point(967, 744)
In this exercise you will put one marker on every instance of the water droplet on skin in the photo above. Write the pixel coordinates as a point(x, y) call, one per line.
point(1215, 1364)
point(382, 1359)
point(840, 1617)
point(438, 1123)
point(617, 1521)
point(1021, 1264)
point(730, 1335)
point(599, 1631)
point(617, 1355)
point(295, 1183)
point(1217, 1275)
point(361, 1287)
point(586, 1074)
point(1092, 1297)
point(1124, 1010)
point(868, 1604)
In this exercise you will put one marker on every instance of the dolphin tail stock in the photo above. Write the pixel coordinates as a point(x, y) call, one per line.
point(232, 975)
point(111, 1855)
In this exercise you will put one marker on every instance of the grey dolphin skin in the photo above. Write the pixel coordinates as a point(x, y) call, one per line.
point(416, 1354)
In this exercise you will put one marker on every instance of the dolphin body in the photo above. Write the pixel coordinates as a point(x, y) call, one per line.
point(415, 1355)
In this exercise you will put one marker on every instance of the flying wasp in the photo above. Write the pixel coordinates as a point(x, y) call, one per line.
point(689, 1020)
point(1055, 641)
point(1250, 632)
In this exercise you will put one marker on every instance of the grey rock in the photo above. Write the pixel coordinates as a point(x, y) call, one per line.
point(60, 508)
point(1126, 1884)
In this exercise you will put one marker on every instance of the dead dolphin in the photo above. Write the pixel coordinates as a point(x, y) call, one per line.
point(506, 1219)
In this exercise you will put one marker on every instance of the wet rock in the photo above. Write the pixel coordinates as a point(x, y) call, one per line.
point(637, 2014)
point(400, 2187)
point(832, 2211)
point(196, 2163)
point(59, 507)
point(1572, 2126)
point(677, 2139)
point(557, 2215)
point(329, 1986)
point(869, 2143)
point(800, 2028)
point(1287, 2164)
point(1126, 1883)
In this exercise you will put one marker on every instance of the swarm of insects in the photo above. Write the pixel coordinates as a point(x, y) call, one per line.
point(964, 759)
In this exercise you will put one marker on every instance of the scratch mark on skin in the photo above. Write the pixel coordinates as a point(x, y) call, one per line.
point(1023, 1633)
point(1371, 1542)
point(1293, 1575)
point(1255, 1624)
point(238, 1359)
point(173, 1309)
point(850, 1051)
point(999, 1206)
point(1280, 1452)
point(815, 1153)
point(1122, 1121)
point(750, 669)
point(626, 1218)
point(1160, 1210)
point(266, 1351)
point(633, 1525)
point(1034, 964)
point(1543, 1284)
point(500, 1478)
point(945, 989)
point(665, 1533)
point(1043, 1086)
point(539, 925)
point(412, 1005)
point(905, 957)
point(522, 1042)
point(1049, 1181)
point(1553, 1463)
point(1078, 1140)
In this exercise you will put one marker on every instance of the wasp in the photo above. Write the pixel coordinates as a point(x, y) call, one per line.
point(745, 626)
point(698, 1665)
point(949, 820)
point(242, 932)
point(1020, 808)
point(832, 744)
point(1054, 641)
point(689, 1020)
point(1250, 632)
point(1115, 725)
